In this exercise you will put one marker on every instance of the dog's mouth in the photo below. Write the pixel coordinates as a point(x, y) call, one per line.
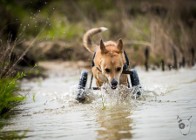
point(113, 87)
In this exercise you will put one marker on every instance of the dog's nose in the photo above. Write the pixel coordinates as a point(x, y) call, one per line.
point(114, 83)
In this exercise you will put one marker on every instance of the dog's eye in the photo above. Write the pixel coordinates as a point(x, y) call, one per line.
point(118, 69)
point(107, 70)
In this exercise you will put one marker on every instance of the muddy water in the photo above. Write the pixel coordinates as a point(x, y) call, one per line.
point(51, 112)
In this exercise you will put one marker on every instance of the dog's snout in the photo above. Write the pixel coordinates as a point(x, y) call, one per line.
point(114, 83)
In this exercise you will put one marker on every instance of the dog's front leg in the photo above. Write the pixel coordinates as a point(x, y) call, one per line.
point(100, 78)
point(124, 80)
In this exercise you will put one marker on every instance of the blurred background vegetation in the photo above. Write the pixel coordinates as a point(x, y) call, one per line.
point(53, 29)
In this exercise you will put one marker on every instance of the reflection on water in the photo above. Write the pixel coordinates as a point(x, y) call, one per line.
point(115, 123)
point(51, 112)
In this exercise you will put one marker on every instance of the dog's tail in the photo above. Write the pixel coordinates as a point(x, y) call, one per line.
point(87, 37)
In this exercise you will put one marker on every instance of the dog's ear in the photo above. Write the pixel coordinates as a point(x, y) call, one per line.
point(120, 45)
point(102, 47)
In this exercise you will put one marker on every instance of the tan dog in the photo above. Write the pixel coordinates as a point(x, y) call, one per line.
point(109, 60)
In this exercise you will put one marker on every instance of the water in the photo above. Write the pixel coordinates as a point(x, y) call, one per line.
point(51, 112)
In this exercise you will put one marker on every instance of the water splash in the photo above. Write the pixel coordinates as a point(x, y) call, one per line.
point(106, 96)
point(103, 98)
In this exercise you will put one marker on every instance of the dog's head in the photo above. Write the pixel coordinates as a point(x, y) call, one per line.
point(112, 62)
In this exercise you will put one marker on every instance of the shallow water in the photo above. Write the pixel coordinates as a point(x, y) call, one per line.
point(51, 112)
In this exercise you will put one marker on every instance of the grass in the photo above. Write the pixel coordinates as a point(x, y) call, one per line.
point(9, 88)
point(9, 76)
point(8, 97)
point(13, 135)
point(138, 29)
point(60, 30)
point(54, 26)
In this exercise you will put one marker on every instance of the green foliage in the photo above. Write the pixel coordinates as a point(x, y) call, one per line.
point(60, 29)
point(10, 135)
point(8, 98)
point(157, 23)
point(139, 29)
point(15, 9)
point(50, 27)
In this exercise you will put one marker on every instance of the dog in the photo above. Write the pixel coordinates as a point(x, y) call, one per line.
point(108, 60)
